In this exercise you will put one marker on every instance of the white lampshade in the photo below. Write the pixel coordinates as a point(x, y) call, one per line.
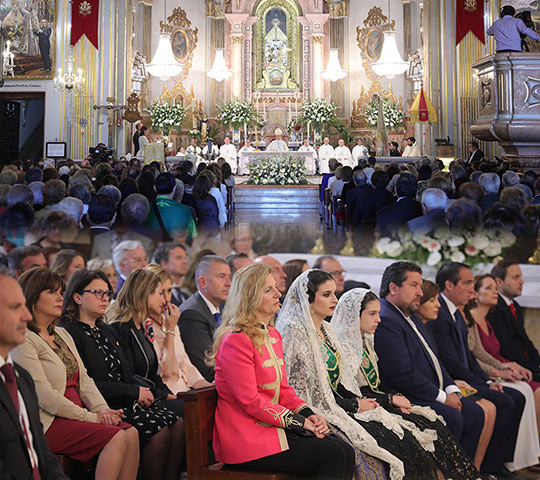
point(334, 72)
point(164, 65)
point(390, 62)
point(219, 70)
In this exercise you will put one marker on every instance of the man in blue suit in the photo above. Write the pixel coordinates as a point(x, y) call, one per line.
point(408, 357)
point(456, 283)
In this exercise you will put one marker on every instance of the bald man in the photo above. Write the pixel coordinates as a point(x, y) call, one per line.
point(277, 271)
point(330, 264)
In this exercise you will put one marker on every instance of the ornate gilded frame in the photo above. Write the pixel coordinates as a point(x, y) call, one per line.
point(178, 22)
point(375, 21)
point(188, 100)
point(292, 12)
point(359, 106)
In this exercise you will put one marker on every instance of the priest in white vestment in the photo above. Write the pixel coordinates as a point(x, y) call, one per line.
point(210, 151)
point(229, 153)
point(193, 148)
point(277, 145)
point(310, 162)
point(360, 152)
point(326, 152)
point(243, 160)
point(343, 154)
point(411, 149)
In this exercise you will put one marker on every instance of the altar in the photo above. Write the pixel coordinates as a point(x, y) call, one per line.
point(248, 158)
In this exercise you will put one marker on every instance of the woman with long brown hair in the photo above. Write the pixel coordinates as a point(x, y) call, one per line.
point(77, 421)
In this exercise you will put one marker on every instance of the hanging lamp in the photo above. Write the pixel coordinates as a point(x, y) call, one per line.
point(164, 64)
point(333, 71)
point(219, 71)
point(390, 63)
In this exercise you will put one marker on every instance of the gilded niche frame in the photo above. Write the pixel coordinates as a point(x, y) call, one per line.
point(184, 39)
point(370, 39)
point(292, 12)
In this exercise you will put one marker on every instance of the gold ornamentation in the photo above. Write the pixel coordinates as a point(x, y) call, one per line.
point(85, 8)
point(216, 8)
point(358, 119)
point(237, 39)
point(470, 5)
point(179, 95)
point(132, 113)
point(338, 8)
point(370, 39)
point(184, 39)
point(318, 39)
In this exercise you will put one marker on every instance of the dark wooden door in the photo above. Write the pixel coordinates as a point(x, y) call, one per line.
point(9, 126)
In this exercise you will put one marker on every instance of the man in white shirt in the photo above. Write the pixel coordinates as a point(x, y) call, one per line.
point(360, 152)
point(193, 148)
point(311, 161)
point(25, 452)
point(243, 160)
point(411, 148)
point(278, 145)
point(210, 151)
point(343, 154)
point(326, 152)
point(229, 153)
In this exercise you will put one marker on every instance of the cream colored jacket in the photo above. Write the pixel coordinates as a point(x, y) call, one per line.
point(49, 375)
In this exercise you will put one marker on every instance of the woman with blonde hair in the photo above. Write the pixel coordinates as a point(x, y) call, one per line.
point(105, 265)
point(260, 423)
point(175, 367)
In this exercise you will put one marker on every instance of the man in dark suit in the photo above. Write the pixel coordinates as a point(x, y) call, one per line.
point(128, 256)
point(201, 313)
point(408, 357)
point(475, 153)
point(456, 283)
point(367, 204)
point(434, 203)
point(394, 149)
point(44, 41)
point(136, 137)
point(507, 318)
point(361, 187)
point(391, 218)
point(173, 258)
point(536, 199)
point(25, 452)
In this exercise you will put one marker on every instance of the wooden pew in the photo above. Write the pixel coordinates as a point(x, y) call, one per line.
point(199, 407)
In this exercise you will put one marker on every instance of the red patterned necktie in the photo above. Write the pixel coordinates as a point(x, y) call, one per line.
point(513, 310)
point(11, 384)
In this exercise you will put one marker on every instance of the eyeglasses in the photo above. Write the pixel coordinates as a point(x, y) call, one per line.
point(338, 273)
point(100, 294)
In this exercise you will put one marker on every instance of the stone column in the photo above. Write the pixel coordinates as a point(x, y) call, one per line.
point(318, 65)
point(236, 65)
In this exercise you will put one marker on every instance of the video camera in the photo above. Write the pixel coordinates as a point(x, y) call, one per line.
point(100, 153)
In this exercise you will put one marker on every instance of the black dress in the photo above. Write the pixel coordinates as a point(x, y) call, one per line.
point(110, 371)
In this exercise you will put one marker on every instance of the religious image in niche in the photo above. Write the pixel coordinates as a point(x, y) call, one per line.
point(374, 44)
point(179, 43)
point(29, 27)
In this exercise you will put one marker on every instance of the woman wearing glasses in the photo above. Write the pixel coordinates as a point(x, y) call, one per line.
point(86, 299)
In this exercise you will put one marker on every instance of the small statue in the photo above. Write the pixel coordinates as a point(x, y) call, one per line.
point(204, 127)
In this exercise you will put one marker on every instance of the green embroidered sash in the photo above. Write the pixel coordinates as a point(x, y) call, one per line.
point(370, 372)
point(332, 366)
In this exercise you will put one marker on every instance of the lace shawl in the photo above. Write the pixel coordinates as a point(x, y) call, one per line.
point(307, 374)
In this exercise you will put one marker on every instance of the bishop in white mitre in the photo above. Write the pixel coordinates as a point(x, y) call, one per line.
point(326, 152)
point(360, 152)
point(229, 153)
point(310, 161)
point(277, 145)
point(243, 160)
point(343, 154)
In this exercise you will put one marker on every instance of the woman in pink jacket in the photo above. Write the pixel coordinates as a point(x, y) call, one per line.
point(260, 423)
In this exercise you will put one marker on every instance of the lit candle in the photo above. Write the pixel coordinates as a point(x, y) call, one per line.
point(245, 132)
point(308, 123)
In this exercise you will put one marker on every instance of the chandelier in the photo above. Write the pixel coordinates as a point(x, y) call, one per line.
point(219, 71)
point(333, 71)
point(70, 82)
point(390, 63)
point(164, 64)
point(8, 61)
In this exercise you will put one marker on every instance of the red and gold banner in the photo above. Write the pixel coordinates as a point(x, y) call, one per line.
point(470, 17)
point(85, 21)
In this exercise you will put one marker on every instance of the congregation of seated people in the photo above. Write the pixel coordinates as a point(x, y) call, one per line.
point(428, 380)
point(422, 197)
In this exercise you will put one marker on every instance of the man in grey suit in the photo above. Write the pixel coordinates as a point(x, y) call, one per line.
point(201, 313)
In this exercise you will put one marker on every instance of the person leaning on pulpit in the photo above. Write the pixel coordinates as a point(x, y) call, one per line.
point(508, 29)
point(277, 145)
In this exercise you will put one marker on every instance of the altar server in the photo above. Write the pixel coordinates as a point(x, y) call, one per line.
point(359, 152)
point(243, 161)
point(193, 148)
point(326, 152)
point(312, 160)
point(343, 153)
point(210, 151)
point(229, 153)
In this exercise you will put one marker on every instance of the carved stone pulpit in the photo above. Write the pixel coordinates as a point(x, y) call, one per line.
point(509, 91)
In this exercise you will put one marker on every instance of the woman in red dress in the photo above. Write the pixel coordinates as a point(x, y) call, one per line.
point(76, 419)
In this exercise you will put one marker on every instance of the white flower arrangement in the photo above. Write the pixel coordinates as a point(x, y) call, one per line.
point(278, 170)
point(318, 111)
point(393, 114)
point(479, 247)
point(236, 113)
point(167, 117)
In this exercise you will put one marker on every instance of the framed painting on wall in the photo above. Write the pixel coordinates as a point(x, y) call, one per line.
point(29, 26)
